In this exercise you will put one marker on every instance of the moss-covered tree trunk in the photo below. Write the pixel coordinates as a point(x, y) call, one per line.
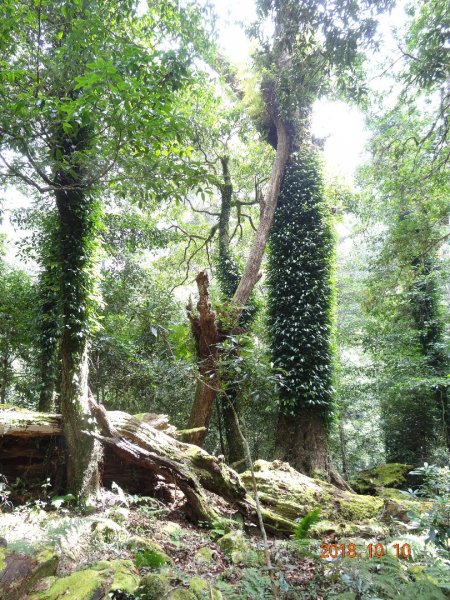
point(300, 313)
point(77, 216)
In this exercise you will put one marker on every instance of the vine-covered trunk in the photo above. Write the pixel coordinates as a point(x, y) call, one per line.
point(301, 314)
point(430, 329)
point(77, 230)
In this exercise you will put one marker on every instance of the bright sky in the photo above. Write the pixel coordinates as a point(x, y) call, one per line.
point(341, 125)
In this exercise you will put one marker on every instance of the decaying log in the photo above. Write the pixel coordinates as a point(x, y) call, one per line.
point(128, 443)
point(142, 460)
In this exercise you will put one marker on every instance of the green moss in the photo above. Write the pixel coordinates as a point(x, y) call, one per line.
point(204, 556)
point(391, 475)
point(235, 546)
point(369, 529)
point(358, 508)
point(102, 576)
point(181, 594)
point(81, 585)
point(125, 576)
point(392, 494)
point(139, 416)
point(197, 585)
point(2, 558)
point(147, 553)
point(155, 585)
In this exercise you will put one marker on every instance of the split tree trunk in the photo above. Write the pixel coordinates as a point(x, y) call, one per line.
point(205, 332)
point(251, 273)
point(204, 325)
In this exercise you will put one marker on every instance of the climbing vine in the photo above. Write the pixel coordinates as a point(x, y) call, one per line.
point(300, 285)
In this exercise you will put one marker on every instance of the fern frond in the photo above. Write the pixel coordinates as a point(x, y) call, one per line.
point(304, 525)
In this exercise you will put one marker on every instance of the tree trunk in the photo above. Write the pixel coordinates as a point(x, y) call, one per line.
point(5, 372)
point(251, 273)
point(235, 446)
point(343, 447)
point(302, 442)
point(76, 240)
point(205, 332)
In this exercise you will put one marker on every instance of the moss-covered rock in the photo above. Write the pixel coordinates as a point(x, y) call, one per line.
point(181, 594)
point(235, 546)
point(100, 578)
point(21, 572)
point(107, 530)
point(390, 475)
point(287, 495)
point(155, 585)
point(349, 531)
point(198, 586)
point(204, 556)
point(147, 553)
point(203, 590)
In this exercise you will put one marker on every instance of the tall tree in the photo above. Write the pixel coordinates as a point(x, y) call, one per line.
point(86, 89)
point(312, 52)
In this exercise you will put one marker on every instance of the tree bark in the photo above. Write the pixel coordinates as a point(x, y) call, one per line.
point(302, 442)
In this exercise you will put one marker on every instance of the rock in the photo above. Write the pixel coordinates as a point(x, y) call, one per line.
point(202, 589)
point(172, 529)
point(287, 495)
point(147, 553)
point(96, 582)
point(390, 475)
point(107, 530)
point(181, 594)
point(21, 572)
point(155, 585)
point(235, 546)
point(119, 514)
point(204, 556)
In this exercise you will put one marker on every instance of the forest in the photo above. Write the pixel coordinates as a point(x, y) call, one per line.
point(224, 299)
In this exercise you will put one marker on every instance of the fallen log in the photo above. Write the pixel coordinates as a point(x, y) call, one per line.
point(143, 460)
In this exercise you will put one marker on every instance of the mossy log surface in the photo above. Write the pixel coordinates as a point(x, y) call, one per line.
point(140, 458)
point(289, 495)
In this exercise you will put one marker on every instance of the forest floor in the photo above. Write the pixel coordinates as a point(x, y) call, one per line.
point(130, 547)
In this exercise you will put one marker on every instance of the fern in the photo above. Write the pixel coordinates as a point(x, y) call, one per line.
point(304, 525)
